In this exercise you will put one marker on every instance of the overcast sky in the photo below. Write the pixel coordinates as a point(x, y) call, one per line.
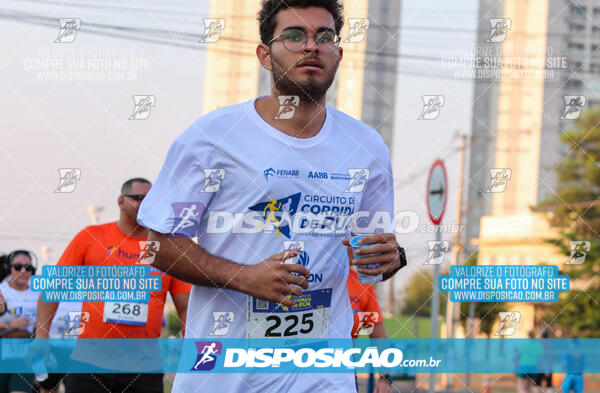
point(52, 124)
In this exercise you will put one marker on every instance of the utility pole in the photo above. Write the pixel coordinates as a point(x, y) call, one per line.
point(453, 309)
point(390, 299)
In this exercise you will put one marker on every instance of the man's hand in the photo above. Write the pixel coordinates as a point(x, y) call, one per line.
point(386, 246)
point(19, 323)
point(273, 280)
point(382, 387)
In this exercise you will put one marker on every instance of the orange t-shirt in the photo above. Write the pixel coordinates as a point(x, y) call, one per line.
point(363, 300)
point(106, 245)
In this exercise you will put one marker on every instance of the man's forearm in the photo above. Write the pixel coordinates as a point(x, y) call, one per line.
point(45, 314)
point(185, 260)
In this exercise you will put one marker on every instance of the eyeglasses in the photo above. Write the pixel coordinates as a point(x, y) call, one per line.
point(19, 266)
point(137, 197)
point(295, 40)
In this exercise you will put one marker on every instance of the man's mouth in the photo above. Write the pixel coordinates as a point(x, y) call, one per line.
point(311, 64)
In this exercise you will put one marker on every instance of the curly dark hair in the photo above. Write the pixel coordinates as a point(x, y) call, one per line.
point(270, 8)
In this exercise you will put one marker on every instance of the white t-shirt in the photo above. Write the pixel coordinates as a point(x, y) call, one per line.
point(20, 304)
point(66, 320)
point(247, 190)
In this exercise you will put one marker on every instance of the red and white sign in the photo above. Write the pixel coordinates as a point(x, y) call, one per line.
point(437, 192)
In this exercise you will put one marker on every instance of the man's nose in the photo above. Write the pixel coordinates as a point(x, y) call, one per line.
point(311, 44)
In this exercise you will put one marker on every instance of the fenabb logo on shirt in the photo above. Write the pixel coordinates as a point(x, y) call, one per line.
point(118, 252)
point(281, 173)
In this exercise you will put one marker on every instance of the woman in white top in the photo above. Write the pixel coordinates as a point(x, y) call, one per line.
point(20, 300)
point(19, 318)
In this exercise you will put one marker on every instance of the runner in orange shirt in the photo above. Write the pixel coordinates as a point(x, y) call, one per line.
point(367, 315)
point(117, 243)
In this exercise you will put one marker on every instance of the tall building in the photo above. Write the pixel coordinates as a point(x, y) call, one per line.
point(231, 73)
point(517, 123)
point(517, 119)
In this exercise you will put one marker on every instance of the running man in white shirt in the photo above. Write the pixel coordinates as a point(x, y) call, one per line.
point(308, 163)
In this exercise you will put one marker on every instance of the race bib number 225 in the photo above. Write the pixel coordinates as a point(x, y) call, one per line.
point(308, 317)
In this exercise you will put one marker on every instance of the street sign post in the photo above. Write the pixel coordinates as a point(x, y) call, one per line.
point(437, 195)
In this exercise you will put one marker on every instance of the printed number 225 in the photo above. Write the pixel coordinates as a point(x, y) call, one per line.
point(307, 325)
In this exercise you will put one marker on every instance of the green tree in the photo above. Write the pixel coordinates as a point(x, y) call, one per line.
point(417, 296)
point(576, 213)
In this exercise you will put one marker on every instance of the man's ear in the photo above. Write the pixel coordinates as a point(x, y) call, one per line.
point(120, 200)
point(263, 53)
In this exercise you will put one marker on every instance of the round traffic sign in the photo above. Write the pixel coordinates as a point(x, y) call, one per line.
point(437, 192)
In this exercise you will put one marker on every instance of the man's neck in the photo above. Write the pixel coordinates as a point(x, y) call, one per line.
point(129, 228)
point(305, 122)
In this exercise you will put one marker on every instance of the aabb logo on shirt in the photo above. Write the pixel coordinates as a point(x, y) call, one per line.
point(317, 175)
point(207, 355)
point(277, 213)
point(118, 252)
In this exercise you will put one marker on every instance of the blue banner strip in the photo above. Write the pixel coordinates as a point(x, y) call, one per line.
point(407, 356)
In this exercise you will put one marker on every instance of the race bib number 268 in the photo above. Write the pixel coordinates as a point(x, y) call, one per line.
point(308, 317)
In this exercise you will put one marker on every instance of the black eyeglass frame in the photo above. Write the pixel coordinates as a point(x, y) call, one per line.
point(336, 42)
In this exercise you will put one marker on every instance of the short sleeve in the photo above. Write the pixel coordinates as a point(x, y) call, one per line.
point(378, 195)
point(182, 191)
point(74, 254)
